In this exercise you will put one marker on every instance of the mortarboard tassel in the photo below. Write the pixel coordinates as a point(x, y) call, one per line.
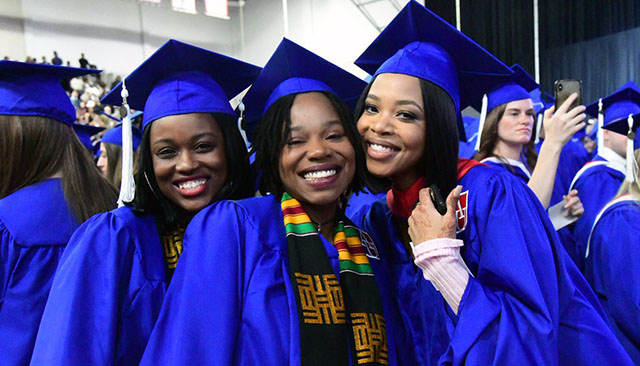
point(483, 117)
point(632, 168)
point(599, 135)
point(240, 126)
point(127, 184)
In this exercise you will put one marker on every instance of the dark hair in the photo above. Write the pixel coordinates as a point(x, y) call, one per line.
point(273, 130)
point(150, 200)
point(114, 164)
point(35, 148)
point(440, 159)
point(489, 139)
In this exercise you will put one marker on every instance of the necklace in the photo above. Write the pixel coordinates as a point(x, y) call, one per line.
point(319, 224)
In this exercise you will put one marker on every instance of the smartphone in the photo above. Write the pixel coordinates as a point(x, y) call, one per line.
point(564, 88)
point(438, 201)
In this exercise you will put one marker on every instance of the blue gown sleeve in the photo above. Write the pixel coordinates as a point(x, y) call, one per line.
point(615, 259)
point(26, 273)
point(508, 314)
point(93, 285)
point(201, 316)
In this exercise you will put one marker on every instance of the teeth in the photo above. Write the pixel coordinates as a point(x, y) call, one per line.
point(320, 174)
point(380, 148)
point(192, 184)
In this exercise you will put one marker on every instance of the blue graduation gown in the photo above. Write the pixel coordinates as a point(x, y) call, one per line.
point(526, 303)
point(231, 301)
point(596, 185)
point(360, 203)
point(519, 170)
point(572, 157)
point(35, 226)
point(106, 294)
point(613, 270)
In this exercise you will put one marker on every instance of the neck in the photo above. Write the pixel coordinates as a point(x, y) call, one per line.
point(509, 151)
point(322, 216)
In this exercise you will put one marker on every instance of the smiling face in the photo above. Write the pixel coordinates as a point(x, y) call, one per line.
point(317, 162)
point(189, 160)
point(393, 127)
point(516, 125)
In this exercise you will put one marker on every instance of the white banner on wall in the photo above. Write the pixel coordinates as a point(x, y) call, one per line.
point(185, 6)
point(217, 8)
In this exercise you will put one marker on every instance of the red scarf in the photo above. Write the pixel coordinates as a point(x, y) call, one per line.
point(401, 201)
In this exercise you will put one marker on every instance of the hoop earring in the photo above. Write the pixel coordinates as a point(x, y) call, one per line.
point(150, 186)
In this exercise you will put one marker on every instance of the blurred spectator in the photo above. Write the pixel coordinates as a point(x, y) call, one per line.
point(44, 60)
point(56, 60)
point(84, 63)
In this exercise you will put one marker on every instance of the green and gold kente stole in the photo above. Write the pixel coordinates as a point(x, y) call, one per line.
point(335, 315)
point(172, 244)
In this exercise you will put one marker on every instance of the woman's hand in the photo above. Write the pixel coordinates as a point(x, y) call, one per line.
point(426, 223)
point(573, 204)
point(561, 125)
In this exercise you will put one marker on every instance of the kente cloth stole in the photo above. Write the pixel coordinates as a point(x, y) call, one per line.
point(335, 315)
point(172, 244)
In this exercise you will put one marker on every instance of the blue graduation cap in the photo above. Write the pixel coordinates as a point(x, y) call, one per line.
point(617, 105)
point(180, 78)
point(538, 103)
point(134, 115)
point(28, 89)
point(85, 132)
point(419, 43)
point(517, 88)
point(294, 69)
point(114, 136)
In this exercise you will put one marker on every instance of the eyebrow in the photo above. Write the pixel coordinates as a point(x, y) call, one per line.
point(169, 140)
point(518, 109)
point(399, 102)
point(325, 124)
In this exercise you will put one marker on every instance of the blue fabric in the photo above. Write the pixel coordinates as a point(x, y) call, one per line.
point(467, 149)
point(517, 88)
point(527, 303)
point(28, 89)
point(114, 136)
point(597, 186)
point(180, 78)
point(231, 301)
point(293, 69)
point(35, 226)
point(613, 270)
point(619, 104)
point(106, 295)
point(419, 43)
point(84, 133)
point(360, 203)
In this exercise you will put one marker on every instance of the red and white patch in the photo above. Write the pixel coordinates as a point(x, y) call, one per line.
point(461, 211)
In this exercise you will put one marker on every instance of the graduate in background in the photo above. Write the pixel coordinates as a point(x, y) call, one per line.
point(86, 135)
point(110, 158)
point(111, 282)
point(598, 181)
point(506, 139)
point(512, 294)
point(48, 185)
point(286, 278)
point(613, 248)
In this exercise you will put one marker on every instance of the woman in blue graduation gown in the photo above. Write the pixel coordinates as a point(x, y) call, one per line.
point(109, 159)
point(599, 180)
point(613, 254)
point(246, 291)
point(507, 143)
point(111, 281)
point(512, 294)
point(48, 185)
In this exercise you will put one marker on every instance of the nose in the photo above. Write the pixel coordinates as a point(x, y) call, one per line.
point(186, 162)
point(318, 149)
point(379, 124)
